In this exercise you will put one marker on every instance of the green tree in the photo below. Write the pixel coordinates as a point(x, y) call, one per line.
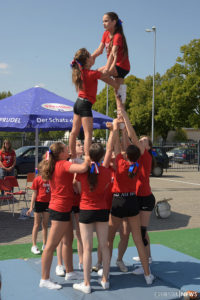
point(5, 95)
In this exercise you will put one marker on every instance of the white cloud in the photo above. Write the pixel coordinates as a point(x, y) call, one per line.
point(3, 66)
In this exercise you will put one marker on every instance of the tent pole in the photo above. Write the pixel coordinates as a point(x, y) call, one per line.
point(36, 147)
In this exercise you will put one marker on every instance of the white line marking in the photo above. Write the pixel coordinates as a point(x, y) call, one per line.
point(179, 181)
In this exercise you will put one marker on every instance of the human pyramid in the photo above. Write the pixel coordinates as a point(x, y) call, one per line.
point(109, 189)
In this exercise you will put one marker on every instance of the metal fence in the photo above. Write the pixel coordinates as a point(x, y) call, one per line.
point(182, 156)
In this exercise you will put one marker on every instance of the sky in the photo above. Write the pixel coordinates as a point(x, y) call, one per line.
point(40, 37)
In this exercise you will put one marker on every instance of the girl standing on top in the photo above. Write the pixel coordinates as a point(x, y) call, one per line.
point(40, 203)
point(114, 40)
point(60, 174)
point(85, 81)
point(145, 197)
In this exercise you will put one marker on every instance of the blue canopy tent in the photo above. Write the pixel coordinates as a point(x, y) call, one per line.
point(38, 108)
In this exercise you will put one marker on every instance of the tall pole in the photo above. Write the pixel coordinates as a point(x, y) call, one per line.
point(107, 109)
point(153, 96)
point(154, 72)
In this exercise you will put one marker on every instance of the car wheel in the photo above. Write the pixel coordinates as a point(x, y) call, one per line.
point(15, 172)
point(157, 171)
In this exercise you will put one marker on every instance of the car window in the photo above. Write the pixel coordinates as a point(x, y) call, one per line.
point(30, 153)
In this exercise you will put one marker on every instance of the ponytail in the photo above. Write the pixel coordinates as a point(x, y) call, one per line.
point(96, 152)
point(77, 65)
point(47, 165)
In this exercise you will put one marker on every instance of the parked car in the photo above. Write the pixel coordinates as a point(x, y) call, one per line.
point(162, 161)
point(25, 159)
point(188, 155)
point(172, 152)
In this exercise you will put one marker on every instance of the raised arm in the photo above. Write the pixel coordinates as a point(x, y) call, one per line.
point(131, 132)
point(110, 145)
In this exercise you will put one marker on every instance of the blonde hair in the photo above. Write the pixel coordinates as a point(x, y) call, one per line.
point(4, 148)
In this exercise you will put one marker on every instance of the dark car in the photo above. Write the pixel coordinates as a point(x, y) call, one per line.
point(25, 159)
point(162, 161)
point(188, 155)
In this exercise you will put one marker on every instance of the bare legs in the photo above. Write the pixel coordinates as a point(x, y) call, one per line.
point(36, 226)
point(87, 238)
point(124, 232)
point(135, 227)
point(87, 123)
point(58, 231)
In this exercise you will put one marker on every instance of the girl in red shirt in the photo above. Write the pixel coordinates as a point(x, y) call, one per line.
point(125, 203)
point(145, 197)
point(85, 81)
point(60, 173)
point(7, 159)
point(114, 40)
point(39, 203)
point(95, 187)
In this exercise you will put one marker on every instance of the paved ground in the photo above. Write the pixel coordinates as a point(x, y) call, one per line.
point(183, 187)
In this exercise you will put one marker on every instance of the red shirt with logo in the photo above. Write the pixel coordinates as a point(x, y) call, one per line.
point(43, 189)
point(143, 186)
point(62, 192)
point(122, 182)
point(97, 199)
point(122, 61)
point(7, 158)
point(90, 82)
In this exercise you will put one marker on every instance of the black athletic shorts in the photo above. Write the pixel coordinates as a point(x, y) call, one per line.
point(121, 72)
point(83, 107)
point(59, 216)
point(92, 216)
point(124, 205)
point(75, 209)
point(41, 207)
point(146, 203)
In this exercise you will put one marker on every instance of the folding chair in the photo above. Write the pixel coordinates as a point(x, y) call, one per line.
point(6, 196)
point(29, 180)
point(13, 183)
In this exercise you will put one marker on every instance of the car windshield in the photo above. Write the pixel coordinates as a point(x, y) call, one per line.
point(21, 150)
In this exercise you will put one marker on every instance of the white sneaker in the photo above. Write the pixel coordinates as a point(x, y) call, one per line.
point(100, 272)
point(49, 284)
point(138, 271)
point(96, 267)
point(136, 258)
point(122, 92)
point(149, 279)
point(121, 266)
point(35, 250)
point(105, 285)
point(82, 287)
point(43, 246)
point(74, 276)
point(60, 270)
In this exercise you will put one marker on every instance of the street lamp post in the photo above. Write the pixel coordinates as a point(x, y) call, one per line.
point(154, 70)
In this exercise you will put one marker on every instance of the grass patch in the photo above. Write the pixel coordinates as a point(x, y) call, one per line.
point(185, 241)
